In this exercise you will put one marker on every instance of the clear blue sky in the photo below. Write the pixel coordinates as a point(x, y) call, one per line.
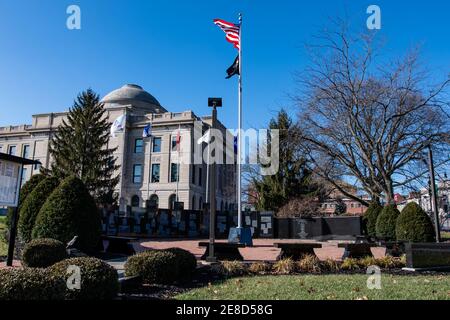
point(174, 51)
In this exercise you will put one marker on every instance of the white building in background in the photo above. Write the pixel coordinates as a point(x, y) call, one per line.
point(149, 166)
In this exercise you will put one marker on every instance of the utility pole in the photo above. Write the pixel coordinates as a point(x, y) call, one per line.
point(434, 196)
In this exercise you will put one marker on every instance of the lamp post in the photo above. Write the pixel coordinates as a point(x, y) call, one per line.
point(213, 103)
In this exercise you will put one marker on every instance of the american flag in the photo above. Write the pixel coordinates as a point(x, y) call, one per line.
point(231, 30)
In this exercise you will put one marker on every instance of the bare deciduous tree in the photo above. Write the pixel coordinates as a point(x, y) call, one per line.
point(365, 118)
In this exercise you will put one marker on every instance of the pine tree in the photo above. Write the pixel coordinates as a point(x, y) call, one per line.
point(80, 148)
point(293, 179)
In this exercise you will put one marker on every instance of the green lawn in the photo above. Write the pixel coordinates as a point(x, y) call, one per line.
point(322, 287)
point(3, 244)
point(445, 236)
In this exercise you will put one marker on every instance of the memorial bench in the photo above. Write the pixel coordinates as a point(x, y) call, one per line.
point(296, 250)
point(427, 256)
point(356, 250)
point(119, 245)
point(223, 250)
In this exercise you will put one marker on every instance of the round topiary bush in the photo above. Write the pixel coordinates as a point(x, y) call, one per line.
point(414, 225)
point(42, 253)
point(186, 261)
point(33, 204)
point(155, 266)
point(30, 284)
point(70, 211)
point(385, 226)
point(26, 189)
point(370, 218)
point(99, 281)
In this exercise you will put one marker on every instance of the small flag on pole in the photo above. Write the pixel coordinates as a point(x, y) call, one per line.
point(234, 69)
point(231, 30)
point(147, 133)
point(118, 125)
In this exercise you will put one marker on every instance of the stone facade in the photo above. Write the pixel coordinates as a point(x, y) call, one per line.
point(136, 155)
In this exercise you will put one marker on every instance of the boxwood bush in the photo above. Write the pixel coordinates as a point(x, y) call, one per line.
point(30, 284)
point(370, 218)
point(414, 225)
point(42, 253)
point(99, 281)
point(185, 260)
point(33, 204)
point(155, 266)
point(385, 227)
point(67, 212)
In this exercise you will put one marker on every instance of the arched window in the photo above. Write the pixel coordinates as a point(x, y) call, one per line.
point(135, 201)
point(221, 206)
point(154, 198)
point(172, 200)
point(193, 203)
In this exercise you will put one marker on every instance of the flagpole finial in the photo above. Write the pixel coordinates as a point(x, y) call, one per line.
point(240, 17)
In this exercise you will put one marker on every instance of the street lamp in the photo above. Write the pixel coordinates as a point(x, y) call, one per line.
point(213, 103)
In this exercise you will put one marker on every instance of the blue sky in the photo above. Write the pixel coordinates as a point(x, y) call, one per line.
point(174, 51)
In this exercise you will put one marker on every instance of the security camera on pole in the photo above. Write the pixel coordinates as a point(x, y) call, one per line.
point(234, 35)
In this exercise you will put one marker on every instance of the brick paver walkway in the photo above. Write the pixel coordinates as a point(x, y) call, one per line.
point(262, 248)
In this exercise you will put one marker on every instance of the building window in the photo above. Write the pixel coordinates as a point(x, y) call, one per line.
point(154, 198)
point(137, 173)
point(12, 150)
point(172, 200)
point(156, 172)
point(135, 201)
point(174, 167)
point(138, 146)
point(193, 174)
point(174, 143)
point(193, 202)
point(200, 178)
point(24, 176)
point(26, 151)
point(156, 144)
point(200, 203)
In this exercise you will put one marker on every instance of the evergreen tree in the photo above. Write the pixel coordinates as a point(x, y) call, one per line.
point(293, 179)
point(80, 148)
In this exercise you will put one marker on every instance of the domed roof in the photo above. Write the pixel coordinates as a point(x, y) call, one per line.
point(130, 93)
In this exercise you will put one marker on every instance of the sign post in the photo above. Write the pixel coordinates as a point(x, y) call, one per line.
point(11, 175)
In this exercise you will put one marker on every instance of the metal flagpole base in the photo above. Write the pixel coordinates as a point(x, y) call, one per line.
point(241, 235)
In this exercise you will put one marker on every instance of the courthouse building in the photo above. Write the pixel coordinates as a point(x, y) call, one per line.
point(150, 167)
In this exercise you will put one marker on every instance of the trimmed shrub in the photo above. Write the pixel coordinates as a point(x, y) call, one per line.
point(99, 281)
point(350, 264)
point(155, 266)
point(231, 268)
point(42, 253)
point(389, 262)
point(309, 263)
point(385, 227)
point(26, 189)
point(330, 265)
point(186, 261)
point(414, 225)
point(32, 204)
point(370, 219)
point(260, 268)
point(30, 284)
point(284, 266)
point(70, 211)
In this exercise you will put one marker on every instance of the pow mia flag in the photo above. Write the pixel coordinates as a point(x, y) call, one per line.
point(234, 69)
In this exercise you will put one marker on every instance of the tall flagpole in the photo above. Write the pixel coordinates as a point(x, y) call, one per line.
point(178, 165)
point(239, 124)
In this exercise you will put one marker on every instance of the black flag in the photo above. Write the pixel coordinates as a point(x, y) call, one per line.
point(234, 69)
